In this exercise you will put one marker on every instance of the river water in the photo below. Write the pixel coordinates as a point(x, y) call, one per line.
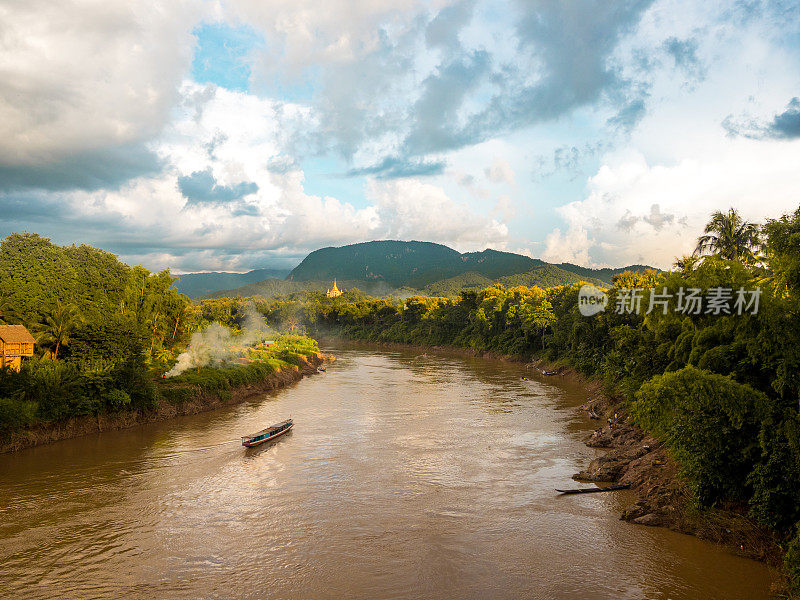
point(405, 476)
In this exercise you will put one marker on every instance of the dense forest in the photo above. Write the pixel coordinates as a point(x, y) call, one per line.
point(105, 334)
point(720, 384)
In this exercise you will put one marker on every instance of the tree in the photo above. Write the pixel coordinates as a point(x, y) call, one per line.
point(729, 236)
point(58, 327)
point(783, 254)
point(686, 264)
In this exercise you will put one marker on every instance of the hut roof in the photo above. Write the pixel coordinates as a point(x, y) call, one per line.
point(15, 334)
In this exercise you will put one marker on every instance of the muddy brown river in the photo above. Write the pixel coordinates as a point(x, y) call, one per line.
point(405, 476)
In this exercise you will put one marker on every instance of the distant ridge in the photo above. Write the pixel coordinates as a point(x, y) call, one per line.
point(414, 264)
point(397, 268)
point(201, 284)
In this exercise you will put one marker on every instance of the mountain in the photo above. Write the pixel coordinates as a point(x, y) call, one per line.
point(396, 268)
point(201, 284)
point(605, 275)
point(415, 264)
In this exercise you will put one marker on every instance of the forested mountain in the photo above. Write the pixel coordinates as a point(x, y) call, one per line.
point(419, 264)
point(605, 275)
point(201, 284)
point(396, 268)
point(415, 264)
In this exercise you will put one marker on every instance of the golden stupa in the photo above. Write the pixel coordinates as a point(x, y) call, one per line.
point(334, 291)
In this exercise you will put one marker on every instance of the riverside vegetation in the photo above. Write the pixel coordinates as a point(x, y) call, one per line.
point(106, 333)
point(721, 391)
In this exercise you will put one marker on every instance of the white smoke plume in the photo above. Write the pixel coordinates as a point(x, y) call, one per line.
point(217, 343)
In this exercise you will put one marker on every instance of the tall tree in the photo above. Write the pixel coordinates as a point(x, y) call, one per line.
point(58, 327)
point(729, 236)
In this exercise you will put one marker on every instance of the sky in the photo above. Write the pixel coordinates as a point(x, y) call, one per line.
point(228, 135)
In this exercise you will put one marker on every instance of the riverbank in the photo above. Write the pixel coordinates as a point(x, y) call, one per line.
point(194, 400)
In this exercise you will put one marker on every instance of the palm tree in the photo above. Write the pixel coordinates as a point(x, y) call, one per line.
point(58, 326)
point(729, 236)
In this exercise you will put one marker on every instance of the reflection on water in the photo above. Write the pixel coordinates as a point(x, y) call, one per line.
point(404, 477)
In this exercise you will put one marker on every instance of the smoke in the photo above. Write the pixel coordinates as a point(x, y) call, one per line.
point(217, 343)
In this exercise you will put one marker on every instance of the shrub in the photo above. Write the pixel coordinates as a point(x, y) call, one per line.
point(710, 422)
point(16, 413)
point(791, 562)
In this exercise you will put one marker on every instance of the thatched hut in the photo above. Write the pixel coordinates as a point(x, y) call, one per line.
point(15, 342)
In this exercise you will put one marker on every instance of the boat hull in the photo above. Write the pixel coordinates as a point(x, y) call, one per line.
point(268, 439)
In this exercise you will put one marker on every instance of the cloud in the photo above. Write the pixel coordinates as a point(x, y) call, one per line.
point(787, 123)
point(107, 167)
point(500, 172)
point(685, 55)
point(201, 187)
point(79, 78)
point(410, 209)
point(393, 167)
point(656, 219)
point(220, 202)
point(443, 30)
point(784, 125)
point(637, 212)
point(390, 97)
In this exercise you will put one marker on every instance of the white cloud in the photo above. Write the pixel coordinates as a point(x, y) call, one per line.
point(500, 172)
point(87, 74)
point(309, 34)
point(411, 209)
point(637, 212)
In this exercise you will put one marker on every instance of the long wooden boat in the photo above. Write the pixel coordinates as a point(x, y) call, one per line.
point(610, 488)
point(268, 434)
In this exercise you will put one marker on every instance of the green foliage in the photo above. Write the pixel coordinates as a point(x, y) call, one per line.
point(15, 414)
point(791, 561)
point(710, 423)
point(118, 338)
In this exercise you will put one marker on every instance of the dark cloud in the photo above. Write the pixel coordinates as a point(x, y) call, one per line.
point(445, 27)
point(107, 168)
point(563, 61)
point(684, 53)
point(200, 187)
point(436, 112)
point(393, 167)
point(784, 125)
point(787, 124)
point(628, 116)
point(570, 43)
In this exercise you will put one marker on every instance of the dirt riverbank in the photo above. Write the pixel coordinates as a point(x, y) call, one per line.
point(663, 499)
point(200, 401)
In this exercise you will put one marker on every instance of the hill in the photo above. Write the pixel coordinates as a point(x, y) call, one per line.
point(605, 275)
point(397, 268)
point(414, 264)
point(201, 284)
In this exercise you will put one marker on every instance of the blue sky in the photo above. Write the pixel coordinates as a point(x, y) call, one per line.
point(238, 134)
